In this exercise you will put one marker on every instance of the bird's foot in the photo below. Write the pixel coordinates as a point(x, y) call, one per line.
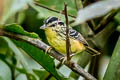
point(48, 49)
point(72, 55)
point(64, 59)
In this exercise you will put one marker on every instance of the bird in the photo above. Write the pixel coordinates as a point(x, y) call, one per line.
point(55, 31)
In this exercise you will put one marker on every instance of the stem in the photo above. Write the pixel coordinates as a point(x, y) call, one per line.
point(52, 9)
point(67, 33)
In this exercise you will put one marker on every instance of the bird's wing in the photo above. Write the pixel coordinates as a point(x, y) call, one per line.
point(74, 34)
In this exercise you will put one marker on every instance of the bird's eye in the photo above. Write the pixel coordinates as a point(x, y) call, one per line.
point(53, 25)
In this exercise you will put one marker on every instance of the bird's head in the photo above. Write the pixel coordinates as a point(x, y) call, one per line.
point(52, 22)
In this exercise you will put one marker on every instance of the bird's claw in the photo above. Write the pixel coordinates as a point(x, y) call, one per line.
point(64, 59)
point(48, 49)
point(72, 55)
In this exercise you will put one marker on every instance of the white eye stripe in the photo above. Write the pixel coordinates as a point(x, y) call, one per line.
point(55, 23)
point(48, 19)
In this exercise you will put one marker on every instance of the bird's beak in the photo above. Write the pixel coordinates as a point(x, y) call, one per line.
point(43, 26)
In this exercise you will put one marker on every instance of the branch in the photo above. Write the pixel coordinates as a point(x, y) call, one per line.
point(68, 50)
point(51, 9)
point(41, 45)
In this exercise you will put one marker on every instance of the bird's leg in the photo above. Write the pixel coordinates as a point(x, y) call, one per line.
point(48, 49)
point(64, 59)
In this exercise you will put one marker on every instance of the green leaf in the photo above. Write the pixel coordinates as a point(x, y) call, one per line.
point(3, 46)
point(5, 73)
point(97, 9)
point(39, 56)
point(113, 70)
point(17, 52)
point(42, 74)
point(59, 5)
point(19, 56)
point(21, 77)
point(117, 18)
point(19, 30)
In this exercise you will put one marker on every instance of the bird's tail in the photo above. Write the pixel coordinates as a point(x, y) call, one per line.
point(92, 51)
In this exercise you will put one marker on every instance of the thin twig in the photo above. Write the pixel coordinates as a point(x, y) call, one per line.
point(41, 45)
point(52, 9)
point(105, 21)
point(67, 33)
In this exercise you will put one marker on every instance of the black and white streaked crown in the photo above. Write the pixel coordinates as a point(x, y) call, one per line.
point(52, 21)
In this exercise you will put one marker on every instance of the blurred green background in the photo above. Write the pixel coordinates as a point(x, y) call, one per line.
point(102, 33)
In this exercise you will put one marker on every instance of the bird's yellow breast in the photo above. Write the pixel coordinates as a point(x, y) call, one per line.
point(59, 42)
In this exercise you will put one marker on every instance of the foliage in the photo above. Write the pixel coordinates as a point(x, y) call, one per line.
point(99, 23)
point(113, 69)
point(19, 30)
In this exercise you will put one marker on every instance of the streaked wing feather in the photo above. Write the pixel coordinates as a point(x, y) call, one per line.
point(74, 34)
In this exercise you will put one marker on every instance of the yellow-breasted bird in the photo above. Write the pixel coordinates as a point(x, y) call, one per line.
point(55, 31)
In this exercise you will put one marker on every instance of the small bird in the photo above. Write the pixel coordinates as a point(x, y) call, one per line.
point(55, 31)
